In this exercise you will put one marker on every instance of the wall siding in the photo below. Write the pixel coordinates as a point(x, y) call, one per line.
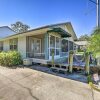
point(46, 46)
point(22, 46)
point(6, 45)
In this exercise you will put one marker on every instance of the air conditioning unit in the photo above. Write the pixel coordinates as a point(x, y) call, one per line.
point(27, 62)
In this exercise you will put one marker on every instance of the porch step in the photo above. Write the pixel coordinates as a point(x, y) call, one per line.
point(41, 61)
point(61, 68)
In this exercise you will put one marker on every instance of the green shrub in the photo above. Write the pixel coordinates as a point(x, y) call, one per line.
point(10, 58)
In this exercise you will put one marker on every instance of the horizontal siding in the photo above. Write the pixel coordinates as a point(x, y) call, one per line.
point(22, 46)
point(6, 45)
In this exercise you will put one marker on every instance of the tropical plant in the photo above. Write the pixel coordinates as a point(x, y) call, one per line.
point(84, 37)
point(94, 43)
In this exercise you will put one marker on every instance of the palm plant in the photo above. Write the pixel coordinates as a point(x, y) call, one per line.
point(94, 42)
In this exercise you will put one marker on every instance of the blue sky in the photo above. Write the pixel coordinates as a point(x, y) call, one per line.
point(37, 13)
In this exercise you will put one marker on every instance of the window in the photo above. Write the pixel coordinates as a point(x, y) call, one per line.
point(57, 46)
point(70, 45)
point(52, 41)
point(14, 44)
point(1, 46)
point(57, 42)
point(64, 45)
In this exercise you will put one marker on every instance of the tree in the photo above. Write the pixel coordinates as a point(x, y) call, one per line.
point(19, 27)
point(94, 43)
point(84, 37)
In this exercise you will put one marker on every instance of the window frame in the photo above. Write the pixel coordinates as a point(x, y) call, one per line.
point(13, 44)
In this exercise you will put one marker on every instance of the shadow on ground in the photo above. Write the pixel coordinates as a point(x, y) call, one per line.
point(76, 75)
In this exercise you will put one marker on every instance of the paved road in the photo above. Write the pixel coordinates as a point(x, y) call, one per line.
point(28, 84)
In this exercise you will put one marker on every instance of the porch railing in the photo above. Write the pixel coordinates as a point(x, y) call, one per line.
point(35, 55)
point(64, 54)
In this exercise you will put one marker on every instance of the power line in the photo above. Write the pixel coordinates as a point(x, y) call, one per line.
point(93, 1)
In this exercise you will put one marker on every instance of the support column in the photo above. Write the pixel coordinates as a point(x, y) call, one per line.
point(46, 46)
point(68, 51)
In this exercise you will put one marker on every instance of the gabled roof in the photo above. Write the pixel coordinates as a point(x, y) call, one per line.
point(72, 33)
point(83, 43)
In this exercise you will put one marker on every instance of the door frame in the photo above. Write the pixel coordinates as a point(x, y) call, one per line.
point(55, 56)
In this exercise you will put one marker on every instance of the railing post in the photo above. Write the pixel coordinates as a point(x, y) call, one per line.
point(71, 61)
point(46, 40)
point(87, 60)
point(52, 57)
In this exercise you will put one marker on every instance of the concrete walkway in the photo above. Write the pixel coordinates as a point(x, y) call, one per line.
point(28, 84)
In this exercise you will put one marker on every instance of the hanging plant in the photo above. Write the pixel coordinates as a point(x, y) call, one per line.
point(52, 51)
point(71, 52)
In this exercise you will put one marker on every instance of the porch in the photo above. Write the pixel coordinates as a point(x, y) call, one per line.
point(39, 47)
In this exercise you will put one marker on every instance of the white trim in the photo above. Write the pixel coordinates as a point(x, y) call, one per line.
point(56, 56)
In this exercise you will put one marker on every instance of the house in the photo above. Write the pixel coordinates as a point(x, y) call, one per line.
point(5, 31)
point(38, 43)
point(81, 45)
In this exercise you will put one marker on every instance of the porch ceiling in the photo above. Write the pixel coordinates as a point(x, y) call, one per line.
point(62, 32)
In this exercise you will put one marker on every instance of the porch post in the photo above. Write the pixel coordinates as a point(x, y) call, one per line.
point(68, 46)
point(46, 46)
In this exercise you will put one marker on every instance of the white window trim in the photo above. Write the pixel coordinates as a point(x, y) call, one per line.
point(56, 36)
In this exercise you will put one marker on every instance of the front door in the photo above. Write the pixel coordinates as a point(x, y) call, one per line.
point(36, 46)
point(54, 44)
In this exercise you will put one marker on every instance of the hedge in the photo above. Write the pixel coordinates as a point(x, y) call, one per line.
point(10, 58)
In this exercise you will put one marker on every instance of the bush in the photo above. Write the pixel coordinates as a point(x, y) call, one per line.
point(10, 58)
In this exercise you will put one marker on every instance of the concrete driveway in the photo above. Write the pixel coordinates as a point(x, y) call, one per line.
point(28, 84)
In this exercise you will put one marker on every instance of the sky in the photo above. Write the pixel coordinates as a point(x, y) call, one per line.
point(37, 13)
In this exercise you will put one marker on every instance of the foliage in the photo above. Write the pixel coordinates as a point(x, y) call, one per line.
point(10, 58)
point(89, 78)
point(96, 31)
point(94, 43)
point(71, 52)
point(84, 37)
point(19, 27)
point(87, 53)
point(80, 50)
